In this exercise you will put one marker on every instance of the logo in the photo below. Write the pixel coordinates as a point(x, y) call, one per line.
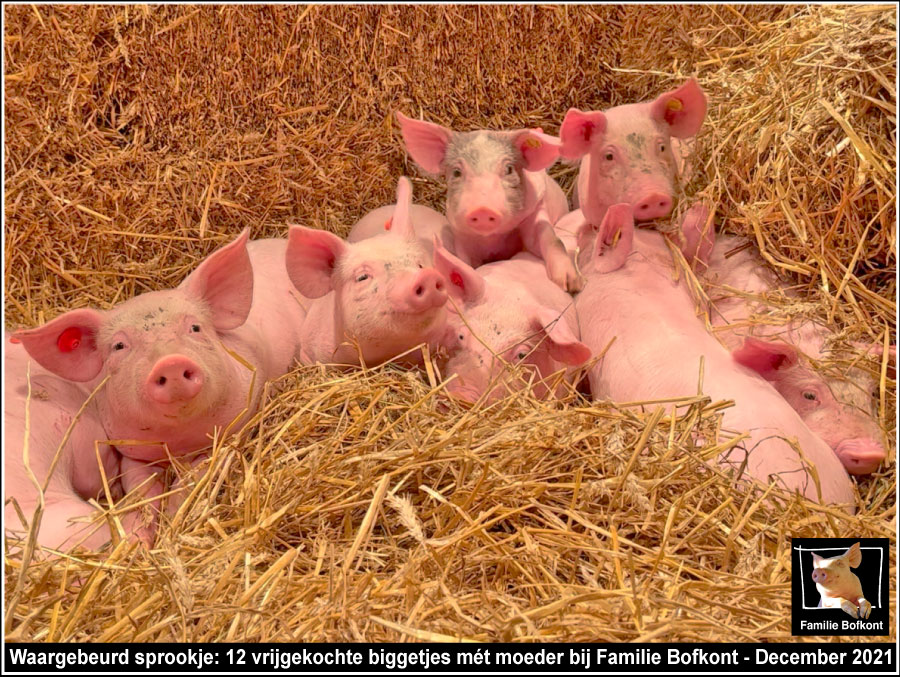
point(839, 586)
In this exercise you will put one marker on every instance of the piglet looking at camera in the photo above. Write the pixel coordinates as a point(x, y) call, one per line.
point(839, 588)
point(500, 199)
point(169, 356)
point(371, 300)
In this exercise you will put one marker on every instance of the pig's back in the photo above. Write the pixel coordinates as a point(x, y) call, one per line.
point(278, 309)
point(656, 354)
point(426, 222)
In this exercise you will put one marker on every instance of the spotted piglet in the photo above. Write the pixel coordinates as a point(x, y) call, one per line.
point(500, 199)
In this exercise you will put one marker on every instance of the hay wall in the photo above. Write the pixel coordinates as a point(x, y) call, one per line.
point(362, 506)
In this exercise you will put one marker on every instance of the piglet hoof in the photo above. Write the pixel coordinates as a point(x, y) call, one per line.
point(849, 607)
point(574, 283)
point(139, 530)
point(865, 608)
point(561, 271)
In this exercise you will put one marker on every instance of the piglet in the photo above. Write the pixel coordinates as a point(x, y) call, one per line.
point(369, 301)
point(840, 410)
point(633, 309)
point(627, 152)
point(838, 586)
point(508, 313)
point(170, 359)
point(500, 199)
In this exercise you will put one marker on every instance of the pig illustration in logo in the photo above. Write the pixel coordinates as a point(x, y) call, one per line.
point(838, 586)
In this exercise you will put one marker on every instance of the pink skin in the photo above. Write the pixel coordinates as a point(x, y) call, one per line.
point(500, 199)
point(508, 313)
point(627, 152)
point(839, 588)
point(652, 317)
point(842, 411)
point(67, 518)
point(378, 293)
point(172, 381)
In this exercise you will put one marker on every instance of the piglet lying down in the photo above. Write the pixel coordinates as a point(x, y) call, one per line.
point(170, 379)
point(632, 306)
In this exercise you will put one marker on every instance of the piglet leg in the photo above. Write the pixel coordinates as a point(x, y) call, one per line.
point(699, 236)
point(149, 482)
point(541, 240)
point(67, 522)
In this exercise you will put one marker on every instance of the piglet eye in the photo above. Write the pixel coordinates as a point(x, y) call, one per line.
point(509, 169)
point(119, 346)
point(363, 277)
point(195, 328)
point(662, 148)
point(521, 355)
point(609, 157)
point(809, 395)
point(457, 172)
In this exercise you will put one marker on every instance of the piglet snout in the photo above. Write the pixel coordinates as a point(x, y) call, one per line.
point(174, 378)
point(652, 206)
point(423, 291)
point(860, 456)
point(482, 218)
point(819, 576)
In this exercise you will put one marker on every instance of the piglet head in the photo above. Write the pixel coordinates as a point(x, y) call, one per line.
point(386, 296)
point(161, 350)
point(833, 574)
point(487, 190)
point(850, 431)
point(629, 151)
point(505, 341)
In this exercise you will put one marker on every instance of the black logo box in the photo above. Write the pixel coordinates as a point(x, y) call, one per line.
point(807, 618)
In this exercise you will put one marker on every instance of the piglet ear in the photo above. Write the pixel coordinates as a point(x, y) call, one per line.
point(310, 259)
point(224, 282)
point(425, 142)
point(817, 559)
point(539, 151)
point(465, 284)
point(682, 109)
point(766, 358)
point(615, 238)
point(66, 346)
point(401, 222)
point(579, 131)
point(562, 343)
point(854, 556)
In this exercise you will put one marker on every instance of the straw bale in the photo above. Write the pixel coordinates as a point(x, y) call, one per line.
point(365, 505)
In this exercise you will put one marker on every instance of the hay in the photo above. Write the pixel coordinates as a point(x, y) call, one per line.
point(365, 506)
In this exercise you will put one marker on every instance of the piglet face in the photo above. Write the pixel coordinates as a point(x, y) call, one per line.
point(487, 190)
point(839, 412)
point(630, 151)
point(162, 351)
point(833, 574)
point(505, 341)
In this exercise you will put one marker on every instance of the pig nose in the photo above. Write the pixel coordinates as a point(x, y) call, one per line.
point(860, 456)
point(653, 206)
point(482, 218)
point(174, 378)
point(427, 291)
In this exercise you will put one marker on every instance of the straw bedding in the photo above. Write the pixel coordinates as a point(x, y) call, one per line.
point(366, 505)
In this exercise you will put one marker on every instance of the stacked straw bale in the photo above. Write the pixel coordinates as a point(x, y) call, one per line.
point(365, 505)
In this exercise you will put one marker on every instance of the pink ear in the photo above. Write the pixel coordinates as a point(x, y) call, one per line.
point(579, 131)
point(310, 259)
point(425, 142)
point(563, 345)
point(401, 223)
point(766, 358)
point(619, 219)
point(816, 559)
point(66, 346)
point(854, 556)
point(466, 285)
point(682, 109)
point(539, 150)
point(224, 281)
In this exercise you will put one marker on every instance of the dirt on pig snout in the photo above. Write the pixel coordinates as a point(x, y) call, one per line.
point(365, 505)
